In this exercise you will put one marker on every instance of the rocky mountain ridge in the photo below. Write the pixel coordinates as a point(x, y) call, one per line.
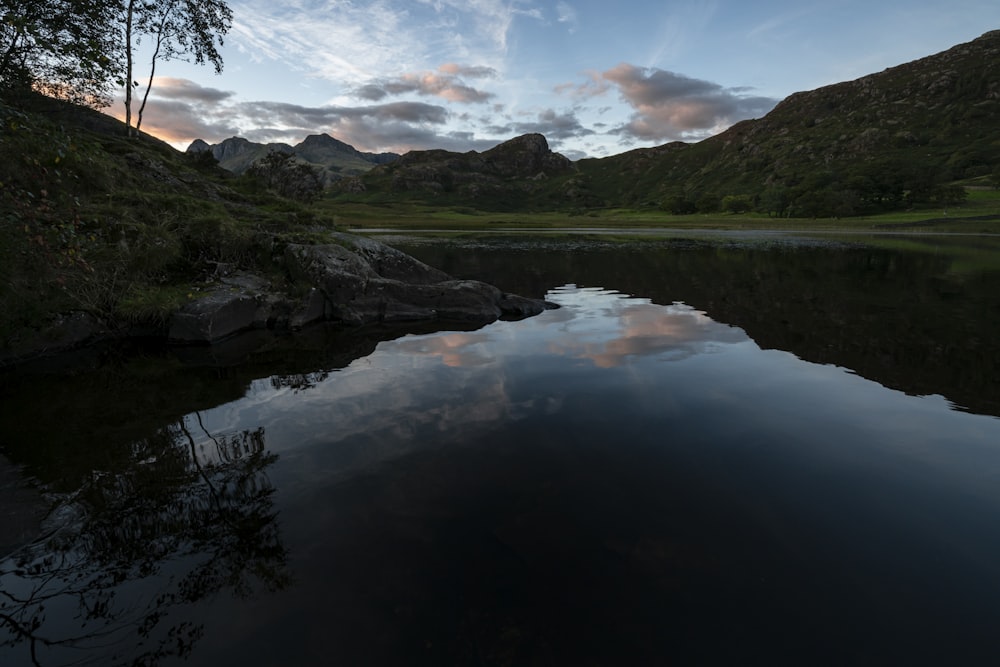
point(510, 171)
point(332, 157)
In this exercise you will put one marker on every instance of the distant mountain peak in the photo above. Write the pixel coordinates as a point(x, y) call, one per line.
point(333, 157)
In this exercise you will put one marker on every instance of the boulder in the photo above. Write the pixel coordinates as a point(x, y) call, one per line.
point(213, 316)
point(353, 281)
point(372, 282)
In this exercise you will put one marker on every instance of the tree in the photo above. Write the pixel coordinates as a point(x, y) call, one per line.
point(678, 204)
point(180, 29)
point(737, 203)
point(774, 200)
point(707, 203)
point(949, 195)
point(63, 48)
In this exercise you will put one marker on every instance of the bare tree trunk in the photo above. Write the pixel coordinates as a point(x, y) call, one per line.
point(149, 84)
point(160, 36)
point(128, 68)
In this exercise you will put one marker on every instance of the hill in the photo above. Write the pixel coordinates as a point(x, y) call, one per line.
point(105, 236)
point(883, 141)
point(333, 158)
point(896, 139)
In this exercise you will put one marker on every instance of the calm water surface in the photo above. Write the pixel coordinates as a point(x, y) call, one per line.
point(770, 453)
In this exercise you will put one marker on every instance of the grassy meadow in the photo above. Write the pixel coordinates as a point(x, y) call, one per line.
point(972, 217)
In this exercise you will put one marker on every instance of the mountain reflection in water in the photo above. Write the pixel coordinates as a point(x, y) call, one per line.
point(613, 482)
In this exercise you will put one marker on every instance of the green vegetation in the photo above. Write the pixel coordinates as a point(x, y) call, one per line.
point(914, 138)
point(980, 214)
point(125, 229)
point(129, 229)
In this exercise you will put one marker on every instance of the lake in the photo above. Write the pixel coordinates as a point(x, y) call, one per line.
point(719, 449)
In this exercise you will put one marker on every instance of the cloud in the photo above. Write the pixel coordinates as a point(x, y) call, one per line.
point(445, 83)
point(553, 125)
point(473, 72)
point(671, 106)
point(176, 122)
point(340, 41)
point(595, 86)
point(486, 19)
point(180, 111)
point(294, 114)
point(566, 14)
point(185, 89)
point(396, 127)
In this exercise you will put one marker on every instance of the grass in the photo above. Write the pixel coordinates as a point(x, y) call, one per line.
point(964, 219)
point(120, 228)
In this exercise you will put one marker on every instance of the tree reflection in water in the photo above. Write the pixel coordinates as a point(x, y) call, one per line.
point(189, 517)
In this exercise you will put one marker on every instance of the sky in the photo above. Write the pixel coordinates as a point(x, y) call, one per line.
point(596, 77)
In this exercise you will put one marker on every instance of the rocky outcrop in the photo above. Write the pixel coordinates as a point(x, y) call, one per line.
point(352, 281)
point(231, 307)
point(510, 170)
point(364, 281)
point(527, 156)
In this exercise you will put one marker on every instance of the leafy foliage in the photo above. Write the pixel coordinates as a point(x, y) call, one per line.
point(65, 48)
point(180, 29)
point(81, 50)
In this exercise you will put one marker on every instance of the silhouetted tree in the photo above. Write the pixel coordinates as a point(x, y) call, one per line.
point(180, 29)
point(64, 48)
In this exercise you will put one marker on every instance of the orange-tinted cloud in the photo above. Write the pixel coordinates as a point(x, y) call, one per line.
point(671, 106)
point(445, 83)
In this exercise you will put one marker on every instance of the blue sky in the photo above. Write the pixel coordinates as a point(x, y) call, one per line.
point(596, 77)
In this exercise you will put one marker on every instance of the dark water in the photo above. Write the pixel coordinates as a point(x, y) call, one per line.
point(725, 453)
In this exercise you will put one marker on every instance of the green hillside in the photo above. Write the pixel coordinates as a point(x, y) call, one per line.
point(906, 137)
point(125, 230)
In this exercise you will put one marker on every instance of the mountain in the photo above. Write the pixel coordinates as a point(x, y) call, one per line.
point(889, 140)
point(508, 173)
point(874, 141)
point(333, 158)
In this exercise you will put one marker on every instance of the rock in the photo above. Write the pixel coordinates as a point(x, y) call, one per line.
point(355, 281)
point(514, 307)
point(311, 310)
point(390, 263)
point(215, 315)
point(372, 282)
point(513, 168)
